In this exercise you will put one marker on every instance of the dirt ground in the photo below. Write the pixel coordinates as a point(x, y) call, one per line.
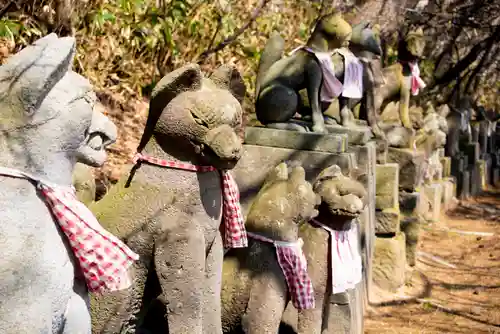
point(458, 270)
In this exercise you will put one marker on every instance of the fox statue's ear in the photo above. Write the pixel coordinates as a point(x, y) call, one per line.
point(228, 77)
point(29, 75)
point(186, 78)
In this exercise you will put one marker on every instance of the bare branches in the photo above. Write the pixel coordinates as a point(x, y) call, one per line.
point(236, 34)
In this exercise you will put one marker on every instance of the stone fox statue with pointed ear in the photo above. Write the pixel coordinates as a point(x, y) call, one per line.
point(402, 79)
point(176, 201)
point(280, 79)
point(52, 249)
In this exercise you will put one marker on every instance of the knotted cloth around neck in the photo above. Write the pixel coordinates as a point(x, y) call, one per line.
point(345, 258)
point(416, 81)
point(235, 235)
point(103, 258)
point(293, 264)
point(331, 87)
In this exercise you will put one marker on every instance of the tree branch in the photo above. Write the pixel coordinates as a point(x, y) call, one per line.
point(463, 63)
point(234, 36)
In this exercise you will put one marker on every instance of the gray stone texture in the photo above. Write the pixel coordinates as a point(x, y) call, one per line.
point(387, 186)
point(48, 123)
point(387, 222)
point(366, 159)
point(433, 194)
point(463, 185)
point(304, 141)
point(410, 226)
point(448, 193)
point(446, 163)
point(411, 165)
point(357, 135)
point(257, 161)
point(389, 262)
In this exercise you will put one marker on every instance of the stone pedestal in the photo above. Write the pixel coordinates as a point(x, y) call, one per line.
point(366, 161)
point(446, 163)
point(411, 165)
point(387, 186)
point(433, 194)
point(389, 263)
point(313, 152)
point(448, 198)
point(463, 185)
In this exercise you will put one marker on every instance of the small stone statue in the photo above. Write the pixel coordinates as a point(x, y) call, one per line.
point(179, 208)
point(279, 79)
point(53, 250)
point(401, 81)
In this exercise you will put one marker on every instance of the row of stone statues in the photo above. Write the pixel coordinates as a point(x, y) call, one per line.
point(338, 69)
point(172, 251)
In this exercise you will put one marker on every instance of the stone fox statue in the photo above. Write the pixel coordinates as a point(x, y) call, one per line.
point(402, 79)
point(172, 209)
point(48, 123)
point(280, 79)
point(365, 46)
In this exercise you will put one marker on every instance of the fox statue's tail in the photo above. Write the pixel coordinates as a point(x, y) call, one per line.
point(273, 52)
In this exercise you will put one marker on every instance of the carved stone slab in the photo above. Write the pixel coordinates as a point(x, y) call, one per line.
point(305, 141)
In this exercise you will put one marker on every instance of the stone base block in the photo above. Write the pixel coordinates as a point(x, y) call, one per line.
point(358, 135)
point(446, 163)
point(433, 194)
point(409, 202)
point(463, 185)
point(482, 174)
point(411, 165)
point(306, 141)
point(389, 262)
point(475, 179)
point(387, 186)
point(448, 193)
point(387, 221)
point(473, 151)
point(496, 176)
point(366, 161)
point(382, 151)
point(410, 226)
point(458, 165)
point(256, 162)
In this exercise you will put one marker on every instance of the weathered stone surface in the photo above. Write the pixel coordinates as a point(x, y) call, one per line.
point(358, 135)
point(475, 178)
point(339, 319)
point(496, 176)
point(441, 152)
point(411, 165)
point(257, 161)
point(389, 262)
point(463, 185)
point(410, 226)
point(305, 141)
point(382, 151)
point(433, 194)
point(387, 221)
point(458, 165)
point(408, 202)
point(446, 163)
point(357, 309)
point(482, 174)
point(472, 151)
point(387, 189)
point(366, 160)
point(448, 193)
